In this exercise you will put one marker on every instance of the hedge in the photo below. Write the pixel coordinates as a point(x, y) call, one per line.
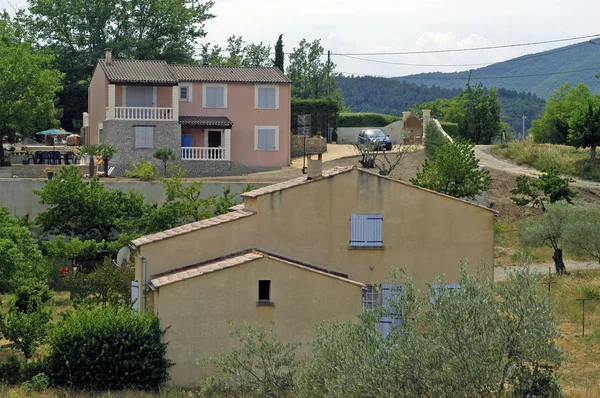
point(450, 128)
point(321, 110)
point(366, 119)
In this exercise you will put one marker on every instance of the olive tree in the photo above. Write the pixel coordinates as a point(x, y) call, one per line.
point(581, 233)
point(549, 187)
point(375, 156)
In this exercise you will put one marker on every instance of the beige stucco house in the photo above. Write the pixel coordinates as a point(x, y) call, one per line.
point(301, 252)
point(218, 120)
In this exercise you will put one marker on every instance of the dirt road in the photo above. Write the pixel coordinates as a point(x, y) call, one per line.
point(491, 162)
point(501, 274)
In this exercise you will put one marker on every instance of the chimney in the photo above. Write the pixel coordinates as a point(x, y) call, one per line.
point(108, 56)
point(314, 166)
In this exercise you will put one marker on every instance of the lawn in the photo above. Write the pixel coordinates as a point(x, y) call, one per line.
point(567, 159)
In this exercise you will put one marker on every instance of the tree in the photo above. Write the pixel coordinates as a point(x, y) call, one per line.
point(256, 55)
point(186, 201)
point(29, 83)
point(309, 74)
point(581, 233)
point(91, 151)
point(478, 340)
point(548, 188)
point(165, 155)
point(584, 126)
point(434, 139)
point(386, 161)
point(553, 126)
point(79, 32)
point(455, 171)
point(106, 152)
point(279, 54)
point(20, 257)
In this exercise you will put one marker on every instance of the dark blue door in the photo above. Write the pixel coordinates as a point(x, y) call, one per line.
point(186, 140)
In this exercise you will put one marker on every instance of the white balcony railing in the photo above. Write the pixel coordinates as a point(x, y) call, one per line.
point(140, 113)
point(203, 153)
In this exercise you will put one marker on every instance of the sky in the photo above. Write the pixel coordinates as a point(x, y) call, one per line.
point(359, 26)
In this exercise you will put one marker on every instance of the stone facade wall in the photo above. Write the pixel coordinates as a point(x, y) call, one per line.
point(212, 168)
point(37, 170)
point(121, 134)
point(313, 145)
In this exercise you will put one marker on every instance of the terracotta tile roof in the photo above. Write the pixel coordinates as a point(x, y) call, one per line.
point(195, 226)
point(208, 121)
point(232, 260)
point(129, 71)
point(295, 182)
point(228, 74)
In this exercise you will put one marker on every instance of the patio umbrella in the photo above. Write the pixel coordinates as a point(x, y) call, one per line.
point(53, 132)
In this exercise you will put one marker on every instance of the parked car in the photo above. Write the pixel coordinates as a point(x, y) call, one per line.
point(377, 137)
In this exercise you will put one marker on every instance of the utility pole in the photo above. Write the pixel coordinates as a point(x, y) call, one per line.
point(524, 117)
point(328, 71)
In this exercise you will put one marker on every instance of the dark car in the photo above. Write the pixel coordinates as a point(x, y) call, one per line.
point(377, 137)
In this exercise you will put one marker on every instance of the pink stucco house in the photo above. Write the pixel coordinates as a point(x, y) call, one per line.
point(219, 120)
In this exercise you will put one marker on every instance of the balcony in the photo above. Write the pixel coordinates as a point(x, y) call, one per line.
point(139, 113)
point(204, 153)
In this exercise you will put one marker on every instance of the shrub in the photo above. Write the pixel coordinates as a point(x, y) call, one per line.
point(366, 119)
point(539, 381)
point(108, 348)
point(450, 128)
point(165, 155)
point(38, 383)
point(10, 370)
point(434, 139)
point(144, 169)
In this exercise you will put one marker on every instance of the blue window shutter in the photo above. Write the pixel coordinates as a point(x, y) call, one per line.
point(451, 287)
point(366, 230)
point(134, 294)
point(392, 319)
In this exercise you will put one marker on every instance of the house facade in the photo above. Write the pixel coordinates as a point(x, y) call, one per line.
point(218, 120)
point(300, 252)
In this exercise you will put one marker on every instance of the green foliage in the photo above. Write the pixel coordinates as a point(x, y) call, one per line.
point(539, 381)
point(26, 328)
point(10, 370)
point(366, 119)
point(468, 342)
point(547, 188)
point(553, 126)
point(165, 155)
point(107, 152)
point(92, 151)
point(108, 348)
point(165, 29)
point(324, 113)
point(38, 383)
point(108, 285)
point(225, 201)
point(279, 54)
point(29, 83)
point(262, 367)
point(584, 126)
point(581, 233)
point(144, 169)
point(186, 201)
point(454, 171)
point(450, 128)
point(20, 256)
point(239, 54)
point(477, 114)
point(434, 140)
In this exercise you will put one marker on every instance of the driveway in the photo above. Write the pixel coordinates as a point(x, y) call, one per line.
point(491, 162)
point(334, 151)
point(501, 274)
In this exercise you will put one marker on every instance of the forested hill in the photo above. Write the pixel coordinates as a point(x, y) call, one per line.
point(390, 96)
point(515, 74)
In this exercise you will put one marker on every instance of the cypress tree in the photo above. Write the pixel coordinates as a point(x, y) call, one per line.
point(279, 56)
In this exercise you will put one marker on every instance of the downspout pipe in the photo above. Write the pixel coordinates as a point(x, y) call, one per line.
point(142, 303)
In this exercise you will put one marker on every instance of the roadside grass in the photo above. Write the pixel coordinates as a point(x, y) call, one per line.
point(567, 159)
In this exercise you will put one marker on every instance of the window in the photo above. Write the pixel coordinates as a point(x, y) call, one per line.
point(144, 136)
point(445, 289)
point(264, 291)
point(185, 92)
point(366, 230)
point(370, 298)
point(266, 97)
point(215, 96)
point(266, 138)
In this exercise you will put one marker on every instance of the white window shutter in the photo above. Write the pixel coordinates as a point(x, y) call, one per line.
point(149, 137)
point(366, 230)
point(139, 137)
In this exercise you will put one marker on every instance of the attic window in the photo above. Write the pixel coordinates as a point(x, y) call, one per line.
point(264, 292)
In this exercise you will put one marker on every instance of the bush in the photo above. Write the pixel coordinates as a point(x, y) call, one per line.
point(450, 128)
point(108, 348)
point(366, 119)
point(434, 139)
point(38, 383)
point(145, 170)
point(539, 381)
point(10, 370)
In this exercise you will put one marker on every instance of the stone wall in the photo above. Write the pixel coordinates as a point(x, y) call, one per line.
point(212, 168)
point(313, 145)
point(121, 134)
point(37, 170)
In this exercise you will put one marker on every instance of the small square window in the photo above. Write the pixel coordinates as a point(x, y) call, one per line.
point(264, 291)
point(366, 230)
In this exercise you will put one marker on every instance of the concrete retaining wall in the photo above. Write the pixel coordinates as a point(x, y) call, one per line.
point(38, 170)
point(313, 145)
point(18, 196)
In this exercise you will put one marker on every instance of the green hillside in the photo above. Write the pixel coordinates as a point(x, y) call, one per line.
point(390, 96)
point(515, 74)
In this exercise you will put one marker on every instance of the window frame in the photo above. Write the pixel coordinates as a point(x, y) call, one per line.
point(276, 128)
point(371, 297)
point(207, 85)
point(188, 86)
point(263, 301)
point(259, 86)
point(366, 244)
point(135, 140)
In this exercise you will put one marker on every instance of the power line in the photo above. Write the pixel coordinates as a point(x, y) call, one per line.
point(474, 48)
point(405, 64)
